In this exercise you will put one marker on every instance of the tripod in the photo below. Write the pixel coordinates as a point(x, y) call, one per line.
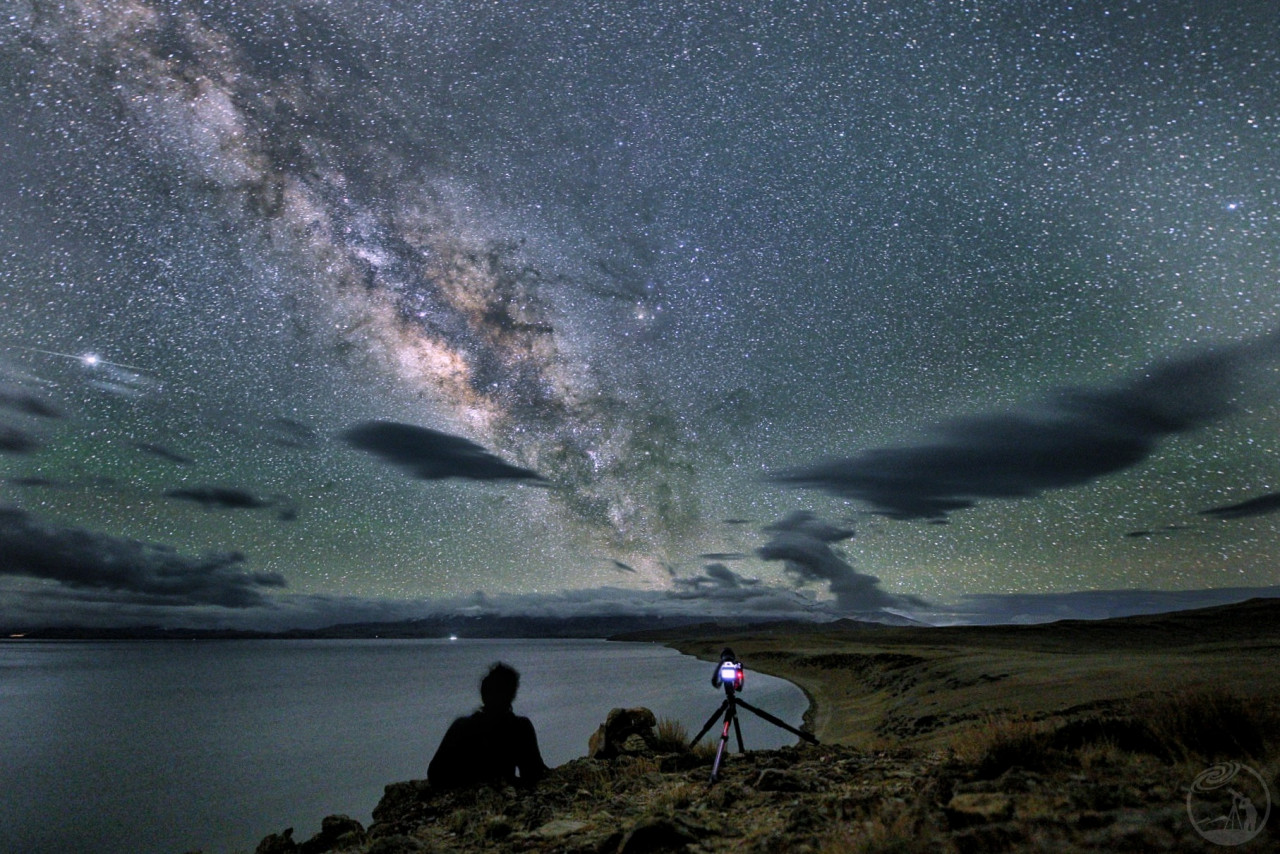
point(729, 708)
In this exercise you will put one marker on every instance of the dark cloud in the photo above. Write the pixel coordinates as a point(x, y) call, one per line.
point(1260, 506)
point(15, 441)
point(430, 454)
point(1165, 530)
point(289, 433)
point(229, 498)
point(804, 544)
point(144, 572)
point(1074, 438)
point(33, 482)
point(716, 576)
point(24, 402)
point(727, 577)
point(163, 453)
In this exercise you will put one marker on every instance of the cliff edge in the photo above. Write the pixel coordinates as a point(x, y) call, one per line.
point(1107, 781)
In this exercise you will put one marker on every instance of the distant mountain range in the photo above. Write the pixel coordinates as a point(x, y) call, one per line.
point(460, 626)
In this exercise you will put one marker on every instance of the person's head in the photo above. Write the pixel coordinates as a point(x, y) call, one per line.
point(498, 687)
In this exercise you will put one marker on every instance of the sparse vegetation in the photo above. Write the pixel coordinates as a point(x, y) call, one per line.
point(1003, 742)
point(1200, 725)
point(672, 736)
point(1208, 724)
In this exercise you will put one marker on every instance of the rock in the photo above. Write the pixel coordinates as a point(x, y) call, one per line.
point(336, 831)
point(615, 735)
point(403, 806)
point(969, 808)
point(635, 743)
point(397, 844)
point(278, 843)
point(657, 834)
point(559, 827)
point(989, 839)
point(778, 780)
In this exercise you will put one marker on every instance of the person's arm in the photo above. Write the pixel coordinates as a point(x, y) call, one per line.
point(528, 757)
point(446, 768)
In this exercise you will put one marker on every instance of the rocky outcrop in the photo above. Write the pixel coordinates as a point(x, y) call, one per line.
point(337, 833)
point(810, 798)
point(624, 732)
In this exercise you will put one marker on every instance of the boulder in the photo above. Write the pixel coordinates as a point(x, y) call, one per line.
point(624, 732)
point(336, 831)
point(779, 780)
point(396, 844)
point(659, 834)
point(278, 843)
point(403, 806)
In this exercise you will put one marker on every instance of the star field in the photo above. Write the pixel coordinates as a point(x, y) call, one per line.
point(654, 260)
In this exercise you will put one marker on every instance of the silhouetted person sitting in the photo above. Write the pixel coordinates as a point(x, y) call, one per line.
point(493, 745)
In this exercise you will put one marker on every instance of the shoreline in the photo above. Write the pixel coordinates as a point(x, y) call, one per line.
point(870, 686)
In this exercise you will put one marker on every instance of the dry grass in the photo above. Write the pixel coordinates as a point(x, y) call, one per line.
point(487, 807)
point(672, 736)
point(1208, 724)
point(891, 827)
point(1194, 726)
point(1002, 742)
point(678, 798)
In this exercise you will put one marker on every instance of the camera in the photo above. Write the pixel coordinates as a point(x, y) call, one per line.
point(729, 672)
point(731, 675)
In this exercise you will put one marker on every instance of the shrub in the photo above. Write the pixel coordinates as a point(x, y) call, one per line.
point(671, 736)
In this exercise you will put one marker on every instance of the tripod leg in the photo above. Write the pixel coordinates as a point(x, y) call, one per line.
point(778, 722)
point(737, 730)
point(729, 720)
point(710, 722)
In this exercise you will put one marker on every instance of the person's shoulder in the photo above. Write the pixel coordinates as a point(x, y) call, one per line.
point(466, 722)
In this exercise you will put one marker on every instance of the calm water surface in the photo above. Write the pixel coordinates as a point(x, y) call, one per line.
point(169, 746)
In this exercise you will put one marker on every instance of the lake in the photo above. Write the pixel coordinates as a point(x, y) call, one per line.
point(171, 746)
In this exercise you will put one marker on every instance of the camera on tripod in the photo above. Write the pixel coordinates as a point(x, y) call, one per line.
point(730, 675)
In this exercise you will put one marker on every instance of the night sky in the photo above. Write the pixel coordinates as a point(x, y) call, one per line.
point(320, 311)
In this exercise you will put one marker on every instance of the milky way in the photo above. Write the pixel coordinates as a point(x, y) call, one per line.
point(650, 259)
point(239, 113)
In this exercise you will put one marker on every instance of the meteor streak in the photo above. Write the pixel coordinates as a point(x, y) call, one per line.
point(89, 360)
